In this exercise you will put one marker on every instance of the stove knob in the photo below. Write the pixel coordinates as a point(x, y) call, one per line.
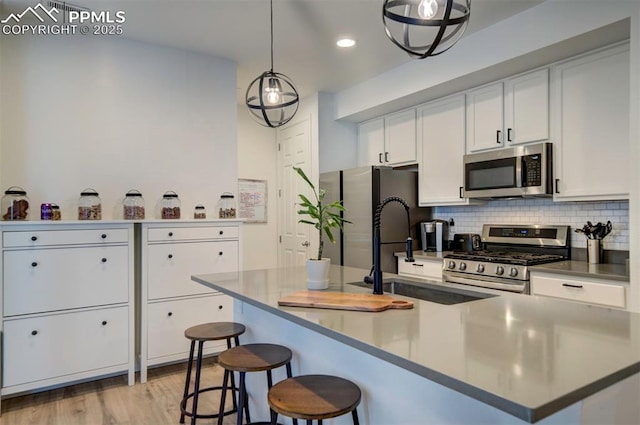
point(499, 270)
point(463, 266)
point(451, 264)
point(480, 268)
point(513, 272)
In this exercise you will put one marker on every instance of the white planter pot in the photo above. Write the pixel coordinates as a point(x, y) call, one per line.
point(318, 273)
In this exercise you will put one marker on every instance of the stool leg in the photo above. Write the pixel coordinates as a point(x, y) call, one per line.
point(223, 396)
point(274, 417)
point(354, 413)
point(310, 422)
point(233, 381)
point(197, 383)
point(246, 399)
point(187, 380)
point(241, 400)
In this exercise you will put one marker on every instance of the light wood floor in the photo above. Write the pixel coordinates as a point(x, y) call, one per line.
point(112, 401)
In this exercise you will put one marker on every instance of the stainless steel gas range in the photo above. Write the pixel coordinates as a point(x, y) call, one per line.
point(508, 252)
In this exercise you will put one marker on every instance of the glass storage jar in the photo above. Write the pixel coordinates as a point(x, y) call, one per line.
point(170, 205)
point(133, 205)
point(227, 206)
point(55, 209)
point(89, 205)
point(15, 204)
point(199, 212)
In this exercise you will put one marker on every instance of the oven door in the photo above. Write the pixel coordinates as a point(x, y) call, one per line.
point(501, 284)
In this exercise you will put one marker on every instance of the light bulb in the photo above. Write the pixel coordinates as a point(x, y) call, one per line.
point(427, 9)
point(273, 97)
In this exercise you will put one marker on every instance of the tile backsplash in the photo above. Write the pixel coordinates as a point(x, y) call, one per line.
point(469, 219)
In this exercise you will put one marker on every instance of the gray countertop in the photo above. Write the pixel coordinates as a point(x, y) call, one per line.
point(526, 355)
point(613, 272)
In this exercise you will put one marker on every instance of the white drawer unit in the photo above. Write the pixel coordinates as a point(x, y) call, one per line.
point(170, 301)
point(422, 268)
point(170, 266)
point(586, 290)
point(169, 319)
point(50, 346)
point(68, 311)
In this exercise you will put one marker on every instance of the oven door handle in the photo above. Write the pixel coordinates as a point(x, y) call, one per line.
point(482, 283)
point(521, 169)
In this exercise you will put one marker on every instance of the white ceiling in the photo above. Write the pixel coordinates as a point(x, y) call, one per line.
point(305, 32)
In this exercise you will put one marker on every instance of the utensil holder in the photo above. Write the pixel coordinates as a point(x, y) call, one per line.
point(594, 251)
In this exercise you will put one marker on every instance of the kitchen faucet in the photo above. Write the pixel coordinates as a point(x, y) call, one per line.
point(375, 270)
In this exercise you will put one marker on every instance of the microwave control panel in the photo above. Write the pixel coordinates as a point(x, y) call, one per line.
point(532, 165)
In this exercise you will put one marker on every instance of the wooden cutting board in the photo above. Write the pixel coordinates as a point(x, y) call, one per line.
point(343, 301)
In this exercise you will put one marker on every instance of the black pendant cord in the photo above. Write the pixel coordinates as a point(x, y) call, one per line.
point(271, 5)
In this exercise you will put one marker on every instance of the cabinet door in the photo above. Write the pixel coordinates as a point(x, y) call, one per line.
point(526, 109)
point(170, 266)
point(592, 121)
point(426, 269)
point(49, 346)
point(590, 291)
point(39, 280)
point(484, 118)
point(400, 138)
point(168, 320)
point(371, 142)
point(442, 134)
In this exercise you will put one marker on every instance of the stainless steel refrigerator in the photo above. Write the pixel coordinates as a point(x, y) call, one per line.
point(361, 190)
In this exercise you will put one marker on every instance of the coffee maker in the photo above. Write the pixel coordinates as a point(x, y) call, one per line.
point(435, 235)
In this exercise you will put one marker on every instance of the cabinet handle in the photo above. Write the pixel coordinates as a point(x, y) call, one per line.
point(386, 157)
point(220, 253)
point(34, 238)
point(568, 285)
point(461, 197)
point(170, 234)
point(498, 136)
point(380, 158)
point(221, 232)
point(557, 181)
point(170, 256)
point(103, 236)
point(220, 307)
point(34, 333)
point(34, 264)
point(104, 260)
point(170, 314)
point(418, 265)
point(104, 323)
point(509, 134)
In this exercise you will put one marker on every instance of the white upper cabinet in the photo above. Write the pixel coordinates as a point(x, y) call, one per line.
point(510, 112)
point(441, 133)
point(591, 126)
point(389, 140)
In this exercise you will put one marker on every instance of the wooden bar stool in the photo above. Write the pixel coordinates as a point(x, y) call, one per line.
point(200, 334)
point(314, 397)
point(251, 358)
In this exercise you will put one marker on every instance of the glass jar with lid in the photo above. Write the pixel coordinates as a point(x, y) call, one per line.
point(199, 212)
point(133, 205)
point(15, 204)
point(227, 206)
point(170, 205)
point(89, 205)
point(55, 211)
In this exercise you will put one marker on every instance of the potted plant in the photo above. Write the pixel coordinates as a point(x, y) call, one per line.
point(324, 218)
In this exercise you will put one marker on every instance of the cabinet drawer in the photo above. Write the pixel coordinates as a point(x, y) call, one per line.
point(570, 288)
point(63, 237)
point(168, 320)
point(40, 280)
point(167, 234)
point(62, 344)
point(420, 268)
point(170, 266)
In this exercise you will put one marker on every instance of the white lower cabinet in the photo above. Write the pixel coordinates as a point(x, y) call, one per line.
point(421, 268)
point(581, 289)
point(68, 310)
point(170, 301)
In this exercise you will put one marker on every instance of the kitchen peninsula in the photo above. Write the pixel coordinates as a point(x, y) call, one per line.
point(506, 359)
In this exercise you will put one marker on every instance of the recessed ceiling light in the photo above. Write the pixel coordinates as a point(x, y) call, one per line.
point(346, 42)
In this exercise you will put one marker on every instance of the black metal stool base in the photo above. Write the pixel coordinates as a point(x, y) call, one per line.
point(185, 412)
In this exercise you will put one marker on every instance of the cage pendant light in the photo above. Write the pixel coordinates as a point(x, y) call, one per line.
point(272, 98)
point(425, 28)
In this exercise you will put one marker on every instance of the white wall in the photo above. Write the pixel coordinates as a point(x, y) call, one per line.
point(257, 159)
point(338, 140)
point(113, 114)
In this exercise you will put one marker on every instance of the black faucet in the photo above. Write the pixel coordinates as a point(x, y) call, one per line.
point(375, 270)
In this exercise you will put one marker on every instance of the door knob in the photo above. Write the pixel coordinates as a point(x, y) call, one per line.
point(305, 243)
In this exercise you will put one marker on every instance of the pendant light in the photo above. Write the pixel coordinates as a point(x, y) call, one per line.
point(425, 28)
point(272, 98)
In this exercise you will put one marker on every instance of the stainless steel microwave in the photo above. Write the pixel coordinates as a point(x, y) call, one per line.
point(514, 172)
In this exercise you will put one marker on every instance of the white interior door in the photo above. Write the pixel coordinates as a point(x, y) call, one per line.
point(294, 144)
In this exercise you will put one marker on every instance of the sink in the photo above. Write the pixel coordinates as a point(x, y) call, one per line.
point(428, 292)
